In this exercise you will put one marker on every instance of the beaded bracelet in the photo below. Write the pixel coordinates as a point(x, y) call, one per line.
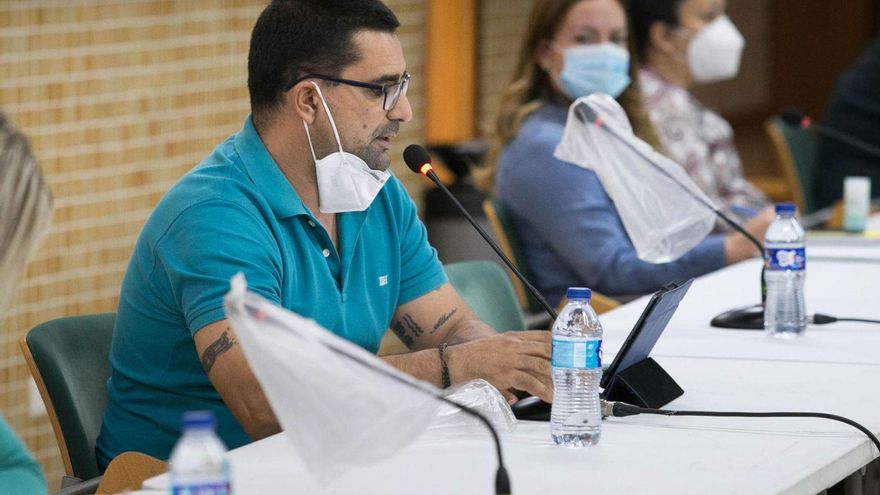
point(444, 368)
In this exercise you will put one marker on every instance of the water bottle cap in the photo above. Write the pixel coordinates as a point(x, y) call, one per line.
point(200, 420)
point(785, 208)
point(579, 293)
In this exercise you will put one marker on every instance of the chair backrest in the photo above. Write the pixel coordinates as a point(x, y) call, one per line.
point(796, 151)
point(486, 289)
point(509, 243)
point(69, 359)
point(128, 471)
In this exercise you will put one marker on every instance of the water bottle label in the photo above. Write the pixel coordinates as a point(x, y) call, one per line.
point(216, 488)
point(576, 352)
point(786, 259)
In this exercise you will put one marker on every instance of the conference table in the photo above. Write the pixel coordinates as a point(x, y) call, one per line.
point(833, 368)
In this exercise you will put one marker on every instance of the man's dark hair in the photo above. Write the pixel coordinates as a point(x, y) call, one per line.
point(644, 13)
point(295, 37)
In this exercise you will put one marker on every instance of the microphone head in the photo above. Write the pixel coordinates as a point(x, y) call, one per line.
point(415, 157)
point(585, 112)
point(794, 117)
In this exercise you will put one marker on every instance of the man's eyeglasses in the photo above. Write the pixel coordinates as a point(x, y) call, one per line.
point(390, 91)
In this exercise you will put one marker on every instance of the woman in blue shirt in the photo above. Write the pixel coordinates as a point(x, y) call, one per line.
point(569, 228)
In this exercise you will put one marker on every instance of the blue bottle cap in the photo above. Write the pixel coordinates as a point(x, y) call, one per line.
point(579, 293)
point(200, 420)
point(785, 208)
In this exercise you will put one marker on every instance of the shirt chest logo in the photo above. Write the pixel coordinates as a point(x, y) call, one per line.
point(383, 280)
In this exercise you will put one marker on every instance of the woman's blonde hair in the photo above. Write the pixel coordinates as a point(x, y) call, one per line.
point(531, 88)
point(25, 207)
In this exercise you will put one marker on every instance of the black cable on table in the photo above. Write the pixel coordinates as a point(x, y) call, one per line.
point(621, 409)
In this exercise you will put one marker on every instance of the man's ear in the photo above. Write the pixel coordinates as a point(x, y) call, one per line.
point(303, 100)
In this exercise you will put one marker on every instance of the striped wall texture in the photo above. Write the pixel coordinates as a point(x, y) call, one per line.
point(501, 27)
point(120, 98)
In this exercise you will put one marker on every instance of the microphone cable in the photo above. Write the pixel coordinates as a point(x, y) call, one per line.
point(622, 409)
point(822, 319)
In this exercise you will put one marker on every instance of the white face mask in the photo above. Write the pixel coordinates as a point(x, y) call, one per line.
point(345, 181)
point(715, 51)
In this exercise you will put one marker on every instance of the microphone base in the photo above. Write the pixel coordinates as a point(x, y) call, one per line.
point(644, 384)
point(744, 318)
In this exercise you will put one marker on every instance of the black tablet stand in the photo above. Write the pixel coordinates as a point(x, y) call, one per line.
point(643, 384)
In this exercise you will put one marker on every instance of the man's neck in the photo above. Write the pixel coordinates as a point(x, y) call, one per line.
point(293, 158)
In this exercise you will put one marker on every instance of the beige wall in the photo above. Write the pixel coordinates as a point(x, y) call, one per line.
point(501, 27)
point(120, 98)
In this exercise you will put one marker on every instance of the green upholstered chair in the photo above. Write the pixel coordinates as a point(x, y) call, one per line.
point(69, 359)
point(507, 240)
point(509, 244)
point(487, 290)
point(796, 152)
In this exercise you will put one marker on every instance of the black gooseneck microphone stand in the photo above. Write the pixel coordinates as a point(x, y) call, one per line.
point(735, 318)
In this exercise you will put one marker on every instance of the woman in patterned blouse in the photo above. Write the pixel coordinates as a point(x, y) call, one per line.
point(681, 43)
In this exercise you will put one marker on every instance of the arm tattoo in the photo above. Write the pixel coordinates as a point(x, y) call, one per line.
point(401, 334)
point(443, 319)
point(407, 330)
point(218, 347)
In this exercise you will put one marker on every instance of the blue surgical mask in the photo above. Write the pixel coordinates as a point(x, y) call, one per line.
point(594, 68)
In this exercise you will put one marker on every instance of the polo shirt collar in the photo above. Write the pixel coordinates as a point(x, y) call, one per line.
point(265, 173)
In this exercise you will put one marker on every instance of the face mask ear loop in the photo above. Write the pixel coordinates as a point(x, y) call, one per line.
point(309, 136)
point(329, 116)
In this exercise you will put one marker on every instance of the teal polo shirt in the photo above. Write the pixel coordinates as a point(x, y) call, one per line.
point(236, 212)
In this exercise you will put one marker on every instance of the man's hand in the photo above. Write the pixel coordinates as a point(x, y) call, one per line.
point(513, 362)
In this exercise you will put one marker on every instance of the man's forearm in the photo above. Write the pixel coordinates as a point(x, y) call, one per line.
point(469, 330)
point(425, 364)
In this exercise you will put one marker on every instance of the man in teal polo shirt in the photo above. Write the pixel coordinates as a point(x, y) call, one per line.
point(298, 200)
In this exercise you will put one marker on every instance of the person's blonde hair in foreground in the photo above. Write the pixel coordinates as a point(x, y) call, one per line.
point(570, 230)
point(25, 208)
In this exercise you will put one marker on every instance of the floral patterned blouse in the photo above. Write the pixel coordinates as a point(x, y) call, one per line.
point(702, 142)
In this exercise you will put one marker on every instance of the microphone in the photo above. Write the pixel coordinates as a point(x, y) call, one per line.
point(502, 480)
point(796, 118)
point(419, 161)
point(750, 317)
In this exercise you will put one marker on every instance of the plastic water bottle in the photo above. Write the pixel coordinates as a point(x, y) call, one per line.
point(785, 314)
point(575, 418)
point(198, 462)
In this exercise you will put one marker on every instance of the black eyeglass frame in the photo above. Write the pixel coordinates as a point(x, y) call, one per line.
point(383, 89)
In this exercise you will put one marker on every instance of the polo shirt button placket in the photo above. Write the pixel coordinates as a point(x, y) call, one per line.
point(326, 253)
